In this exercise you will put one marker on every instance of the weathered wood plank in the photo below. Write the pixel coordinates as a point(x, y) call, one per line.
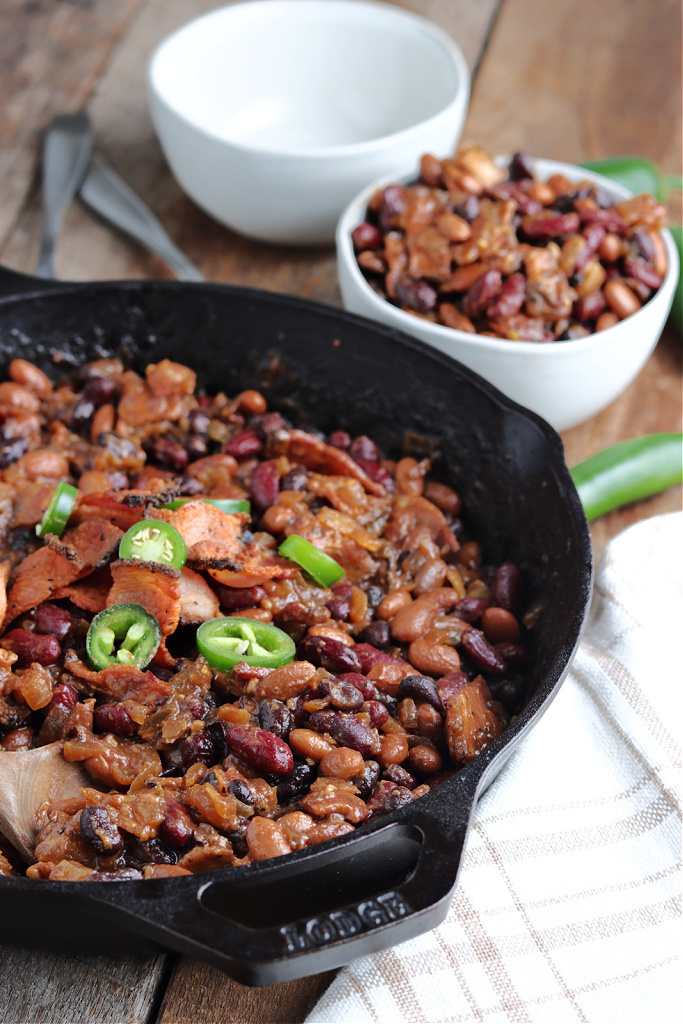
point(199, 993)
point(41, 988)
point(51, 54)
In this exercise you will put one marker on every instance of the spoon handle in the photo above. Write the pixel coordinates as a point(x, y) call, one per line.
point(66, 152)
point(104, 191)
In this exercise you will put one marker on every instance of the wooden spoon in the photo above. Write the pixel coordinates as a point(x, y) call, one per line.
point(27, 779)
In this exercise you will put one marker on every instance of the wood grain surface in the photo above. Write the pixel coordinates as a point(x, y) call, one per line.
point(572, 81)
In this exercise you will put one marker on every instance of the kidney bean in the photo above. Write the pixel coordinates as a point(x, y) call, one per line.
point(363, 447)
point(264, 485)
point(391, 207)
point(377, 712)
point(366, 236)
point(339, 608)
point(11, 450)
point(395, 773)
point(642, 271)
point(341, 763)
point(99, 831)
point(421, 688)
point(467, 208)
point(499, 625)
point(550, 224)
point(366, 782)
point(359, 682)
point(483, 653)
point(393, 749)
point(399, 797)
point(510, 299)
point(377, 801)
point(53, 620)
point(298, 781)
point(346, 730)
point(177, 828)
point(64, 697)
point(243, 445)
point(589, 307)
point(32, 647)
point(514, 654)
point(471, 609)
point(261, 749)
point(198, 748)
point(369, 656)
point(452, 683)
point(342, 695)
point(233, 599)
point(330, 654)
point(296, 479)
point(505, 587)
point(415, 294)
point(521, 167)
point(113, 718)
point(275, 717)
point(167, 452)
point(482, 293)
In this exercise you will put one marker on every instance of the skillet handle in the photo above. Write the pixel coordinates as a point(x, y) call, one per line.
point(288, 919)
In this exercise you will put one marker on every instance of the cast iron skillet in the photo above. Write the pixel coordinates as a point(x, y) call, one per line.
point(322, 907)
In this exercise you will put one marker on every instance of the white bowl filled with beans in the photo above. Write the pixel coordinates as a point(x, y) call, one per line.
point(548, 280)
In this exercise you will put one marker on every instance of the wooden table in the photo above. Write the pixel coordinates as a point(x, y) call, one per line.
point(569, 81)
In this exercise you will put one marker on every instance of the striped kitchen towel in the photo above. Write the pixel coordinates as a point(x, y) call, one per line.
point(568, 907)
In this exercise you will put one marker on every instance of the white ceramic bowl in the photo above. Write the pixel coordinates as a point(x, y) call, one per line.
point(274, 113)
point(566, 383)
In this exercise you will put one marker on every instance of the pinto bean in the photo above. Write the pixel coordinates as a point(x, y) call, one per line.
point(413, 622)
point(29, 376)
point(102, 422)
point(276, 518)
point(341, 763)
point(251, 402)
point(285, 682)
point(409, 476)
point(499, 626)
point(309, 744)
point(332, 633)
point(425, 760)
point(393, 749)
point(17, 399)
point(266, 839)
point(44, 462)
point(619, 297)
point(444, 497)
point(392, 604)
point(432, 574)
point(433, 659)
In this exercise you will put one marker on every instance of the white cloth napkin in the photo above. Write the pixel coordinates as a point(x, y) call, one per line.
point(568, 907)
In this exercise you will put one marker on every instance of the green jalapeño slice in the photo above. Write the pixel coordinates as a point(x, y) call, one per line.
point(229, 505)
point(123, 634)
point(154, 541)
point(319, 566)
point(225, 641)
point(57, 513)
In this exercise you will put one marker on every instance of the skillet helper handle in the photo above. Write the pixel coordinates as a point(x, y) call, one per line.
point(367, 894)
point(105, 192)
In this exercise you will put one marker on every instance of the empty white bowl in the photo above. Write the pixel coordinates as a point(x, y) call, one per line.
point(565, 382)
point(273, 114)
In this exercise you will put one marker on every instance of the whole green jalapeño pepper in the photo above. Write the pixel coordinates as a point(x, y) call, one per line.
point(123, 634)
point(629, 471)
point(226, 641)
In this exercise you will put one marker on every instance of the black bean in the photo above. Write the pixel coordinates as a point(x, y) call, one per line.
point(421, 688)
point(275, 717)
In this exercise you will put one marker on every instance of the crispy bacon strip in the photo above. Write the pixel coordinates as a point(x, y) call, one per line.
point(211, 536)
point(89, 594)
point(89, 546)
point(319, 457)
point(197, 600)
point(121, 682)
point(154, 586)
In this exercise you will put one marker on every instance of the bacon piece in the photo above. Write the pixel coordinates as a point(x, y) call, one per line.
point(198, 602)
point(89, 594)
point(87, 547)
point(32, 500)
point(154, 586)
point(319, 457)
point(212, 537)
point(471, 722)
point(163, 396)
